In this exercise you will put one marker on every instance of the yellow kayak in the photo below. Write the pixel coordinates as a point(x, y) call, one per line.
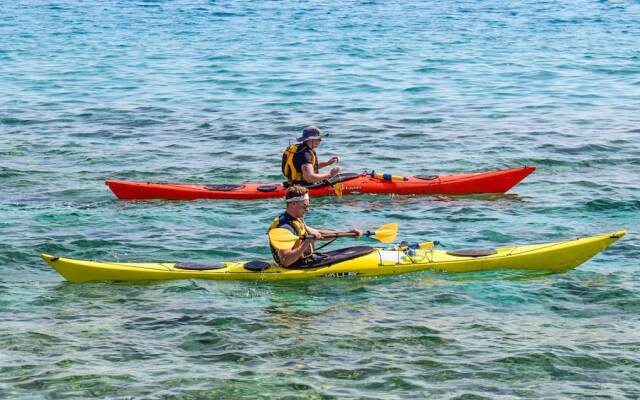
point(360, 261)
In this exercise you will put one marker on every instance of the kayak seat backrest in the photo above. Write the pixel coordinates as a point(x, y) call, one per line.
point(199, 266)
point(267, 188)
point(333, 257)
point(472, 252)
point(224, 187)
point(256, 266)
point(426, 177)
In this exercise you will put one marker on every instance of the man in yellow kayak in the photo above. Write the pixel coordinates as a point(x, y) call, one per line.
point(297, 200)
point(300, 163)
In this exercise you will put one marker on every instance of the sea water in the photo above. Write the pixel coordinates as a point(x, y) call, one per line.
point(213, 91)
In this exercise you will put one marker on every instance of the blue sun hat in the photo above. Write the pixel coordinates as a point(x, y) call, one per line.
point(311, 132)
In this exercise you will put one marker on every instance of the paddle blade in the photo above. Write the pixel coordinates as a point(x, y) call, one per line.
point(387, 233)
point(337, 188)
point(282, 239)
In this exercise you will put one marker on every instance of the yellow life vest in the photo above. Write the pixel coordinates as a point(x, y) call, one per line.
point(297, 224)
point(293, 174)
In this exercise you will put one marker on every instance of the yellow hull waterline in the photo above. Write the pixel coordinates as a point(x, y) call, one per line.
point(553, 257)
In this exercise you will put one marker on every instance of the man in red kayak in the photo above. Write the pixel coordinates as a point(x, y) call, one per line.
point(297, 199)
point(300, 163)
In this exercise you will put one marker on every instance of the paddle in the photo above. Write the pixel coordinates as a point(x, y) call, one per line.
point(284, 239)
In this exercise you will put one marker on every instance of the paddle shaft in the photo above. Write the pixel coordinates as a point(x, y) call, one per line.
point(338, 234)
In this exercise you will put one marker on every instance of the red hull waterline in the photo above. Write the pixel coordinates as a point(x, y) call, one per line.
point(457, 184)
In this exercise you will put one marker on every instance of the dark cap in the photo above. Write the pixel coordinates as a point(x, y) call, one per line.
point(311, 132)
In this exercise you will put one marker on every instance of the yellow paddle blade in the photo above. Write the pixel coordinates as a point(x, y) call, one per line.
point(387, 233)
point(337, 188)
point(282, 239)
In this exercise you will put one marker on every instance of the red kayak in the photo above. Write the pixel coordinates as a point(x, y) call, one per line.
point(342, 184)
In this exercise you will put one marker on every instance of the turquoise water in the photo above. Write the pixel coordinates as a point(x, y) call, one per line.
point(196, 91)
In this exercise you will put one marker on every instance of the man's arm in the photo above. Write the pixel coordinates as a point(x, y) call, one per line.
point(309, 175)
point(330, 161)
point(290, 256)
